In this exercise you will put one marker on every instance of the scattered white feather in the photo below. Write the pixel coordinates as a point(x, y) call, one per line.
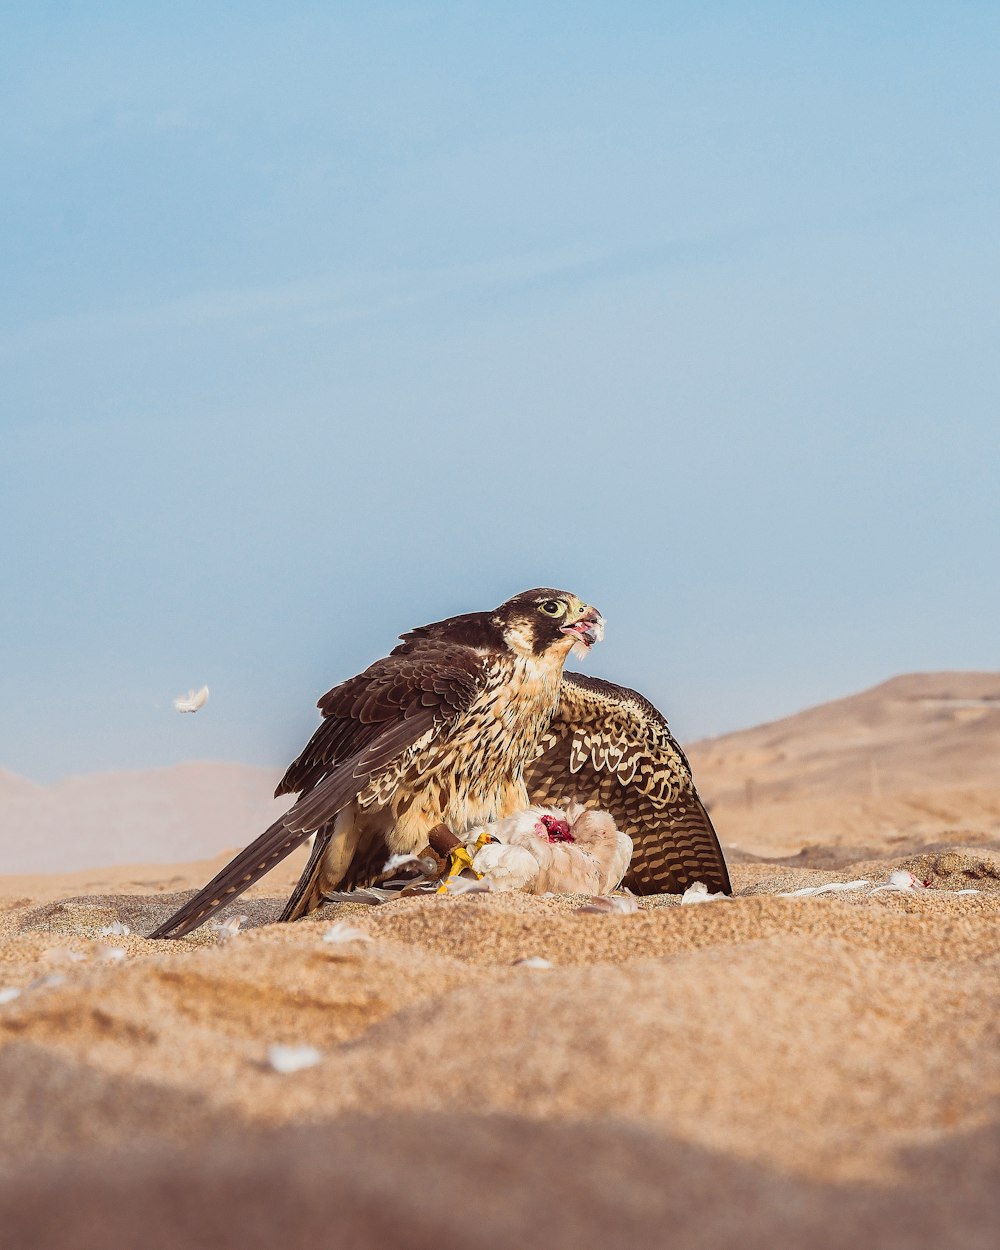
point(110, 954)
point(831, 887)
point(50, 980)
point(343, 932)
point(192, 701)
point(74, 957)
point(117, 929)
point(9, 993)
point(371, 897)
point(286, 1059)
point(229, 928)
point(697, 892)
point(466, 885)
point(960, 891)
point(426, 866)
point(611, 905)
point(900, 880)
point(533, 961)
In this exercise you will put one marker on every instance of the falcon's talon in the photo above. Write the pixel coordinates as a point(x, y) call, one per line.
point(459, 864)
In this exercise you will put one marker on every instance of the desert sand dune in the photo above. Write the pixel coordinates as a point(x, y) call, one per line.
point(186, 812)
point(771, 1064)
point(917, 757)
point(764, 1070)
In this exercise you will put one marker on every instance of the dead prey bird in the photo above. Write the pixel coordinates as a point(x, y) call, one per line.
point(467, 721)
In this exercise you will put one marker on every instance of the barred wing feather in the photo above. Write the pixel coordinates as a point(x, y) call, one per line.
point(609, 747)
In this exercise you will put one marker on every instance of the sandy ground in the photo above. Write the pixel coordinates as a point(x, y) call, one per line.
point(762, 1071)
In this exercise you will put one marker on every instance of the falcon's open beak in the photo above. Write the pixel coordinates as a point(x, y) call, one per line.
point(587, 630)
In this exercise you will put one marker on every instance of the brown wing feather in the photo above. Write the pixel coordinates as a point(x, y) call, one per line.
point(356, 712)
point(378, 716)
point(609, 746)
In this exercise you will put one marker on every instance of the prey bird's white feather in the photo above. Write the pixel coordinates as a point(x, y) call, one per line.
point(465, 885)
point(192, 701)
point(697, 892)
point(226, 929)
point(284, 1059)
point(831, 887)
point(900, 881)
point(343, 932)
point(611, 905)
point(426, 866)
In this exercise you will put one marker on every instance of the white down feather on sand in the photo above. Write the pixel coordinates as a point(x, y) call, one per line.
point(697, 892)
point(285, 1059)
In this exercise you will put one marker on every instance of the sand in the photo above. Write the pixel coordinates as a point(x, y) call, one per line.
point(759, 1071)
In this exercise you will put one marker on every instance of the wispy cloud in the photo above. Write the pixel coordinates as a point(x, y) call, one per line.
point(326, 299)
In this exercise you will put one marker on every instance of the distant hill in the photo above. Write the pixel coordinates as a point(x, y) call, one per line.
point(915, 756)
point(159, 815)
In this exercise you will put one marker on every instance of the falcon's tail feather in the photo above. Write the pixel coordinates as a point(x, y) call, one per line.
point(308, 895)
point(238, 875)
point(315, 810)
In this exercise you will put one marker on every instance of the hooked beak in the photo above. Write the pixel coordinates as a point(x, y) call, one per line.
point(587, 630)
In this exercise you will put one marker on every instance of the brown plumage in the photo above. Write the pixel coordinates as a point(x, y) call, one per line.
point(439, 731)
point(610, 748)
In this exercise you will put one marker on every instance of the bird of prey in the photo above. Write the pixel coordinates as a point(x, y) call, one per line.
point(465, 722)
point(439, 731)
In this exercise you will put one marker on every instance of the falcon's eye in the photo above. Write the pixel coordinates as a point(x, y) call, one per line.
point(552, 607)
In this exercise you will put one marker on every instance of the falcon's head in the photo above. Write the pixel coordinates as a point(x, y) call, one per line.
point(546, 622)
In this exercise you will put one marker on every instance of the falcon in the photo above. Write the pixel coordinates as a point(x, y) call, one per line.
point(468, 721)
point(438, 732)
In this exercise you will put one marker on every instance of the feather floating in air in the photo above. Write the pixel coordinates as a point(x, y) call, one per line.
point(9, 993)
point(192, 701)
point(533, 961)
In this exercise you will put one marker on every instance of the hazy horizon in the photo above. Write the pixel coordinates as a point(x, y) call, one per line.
point(279, 766)
point(316, 326)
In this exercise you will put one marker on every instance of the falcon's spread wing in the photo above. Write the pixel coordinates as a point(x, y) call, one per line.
point(610, 747)
point(369, 723)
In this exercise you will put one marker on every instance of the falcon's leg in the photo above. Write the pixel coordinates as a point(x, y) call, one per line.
point(331, 857)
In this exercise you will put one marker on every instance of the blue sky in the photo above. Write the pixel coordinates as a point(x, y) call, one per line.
point(318, 322)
